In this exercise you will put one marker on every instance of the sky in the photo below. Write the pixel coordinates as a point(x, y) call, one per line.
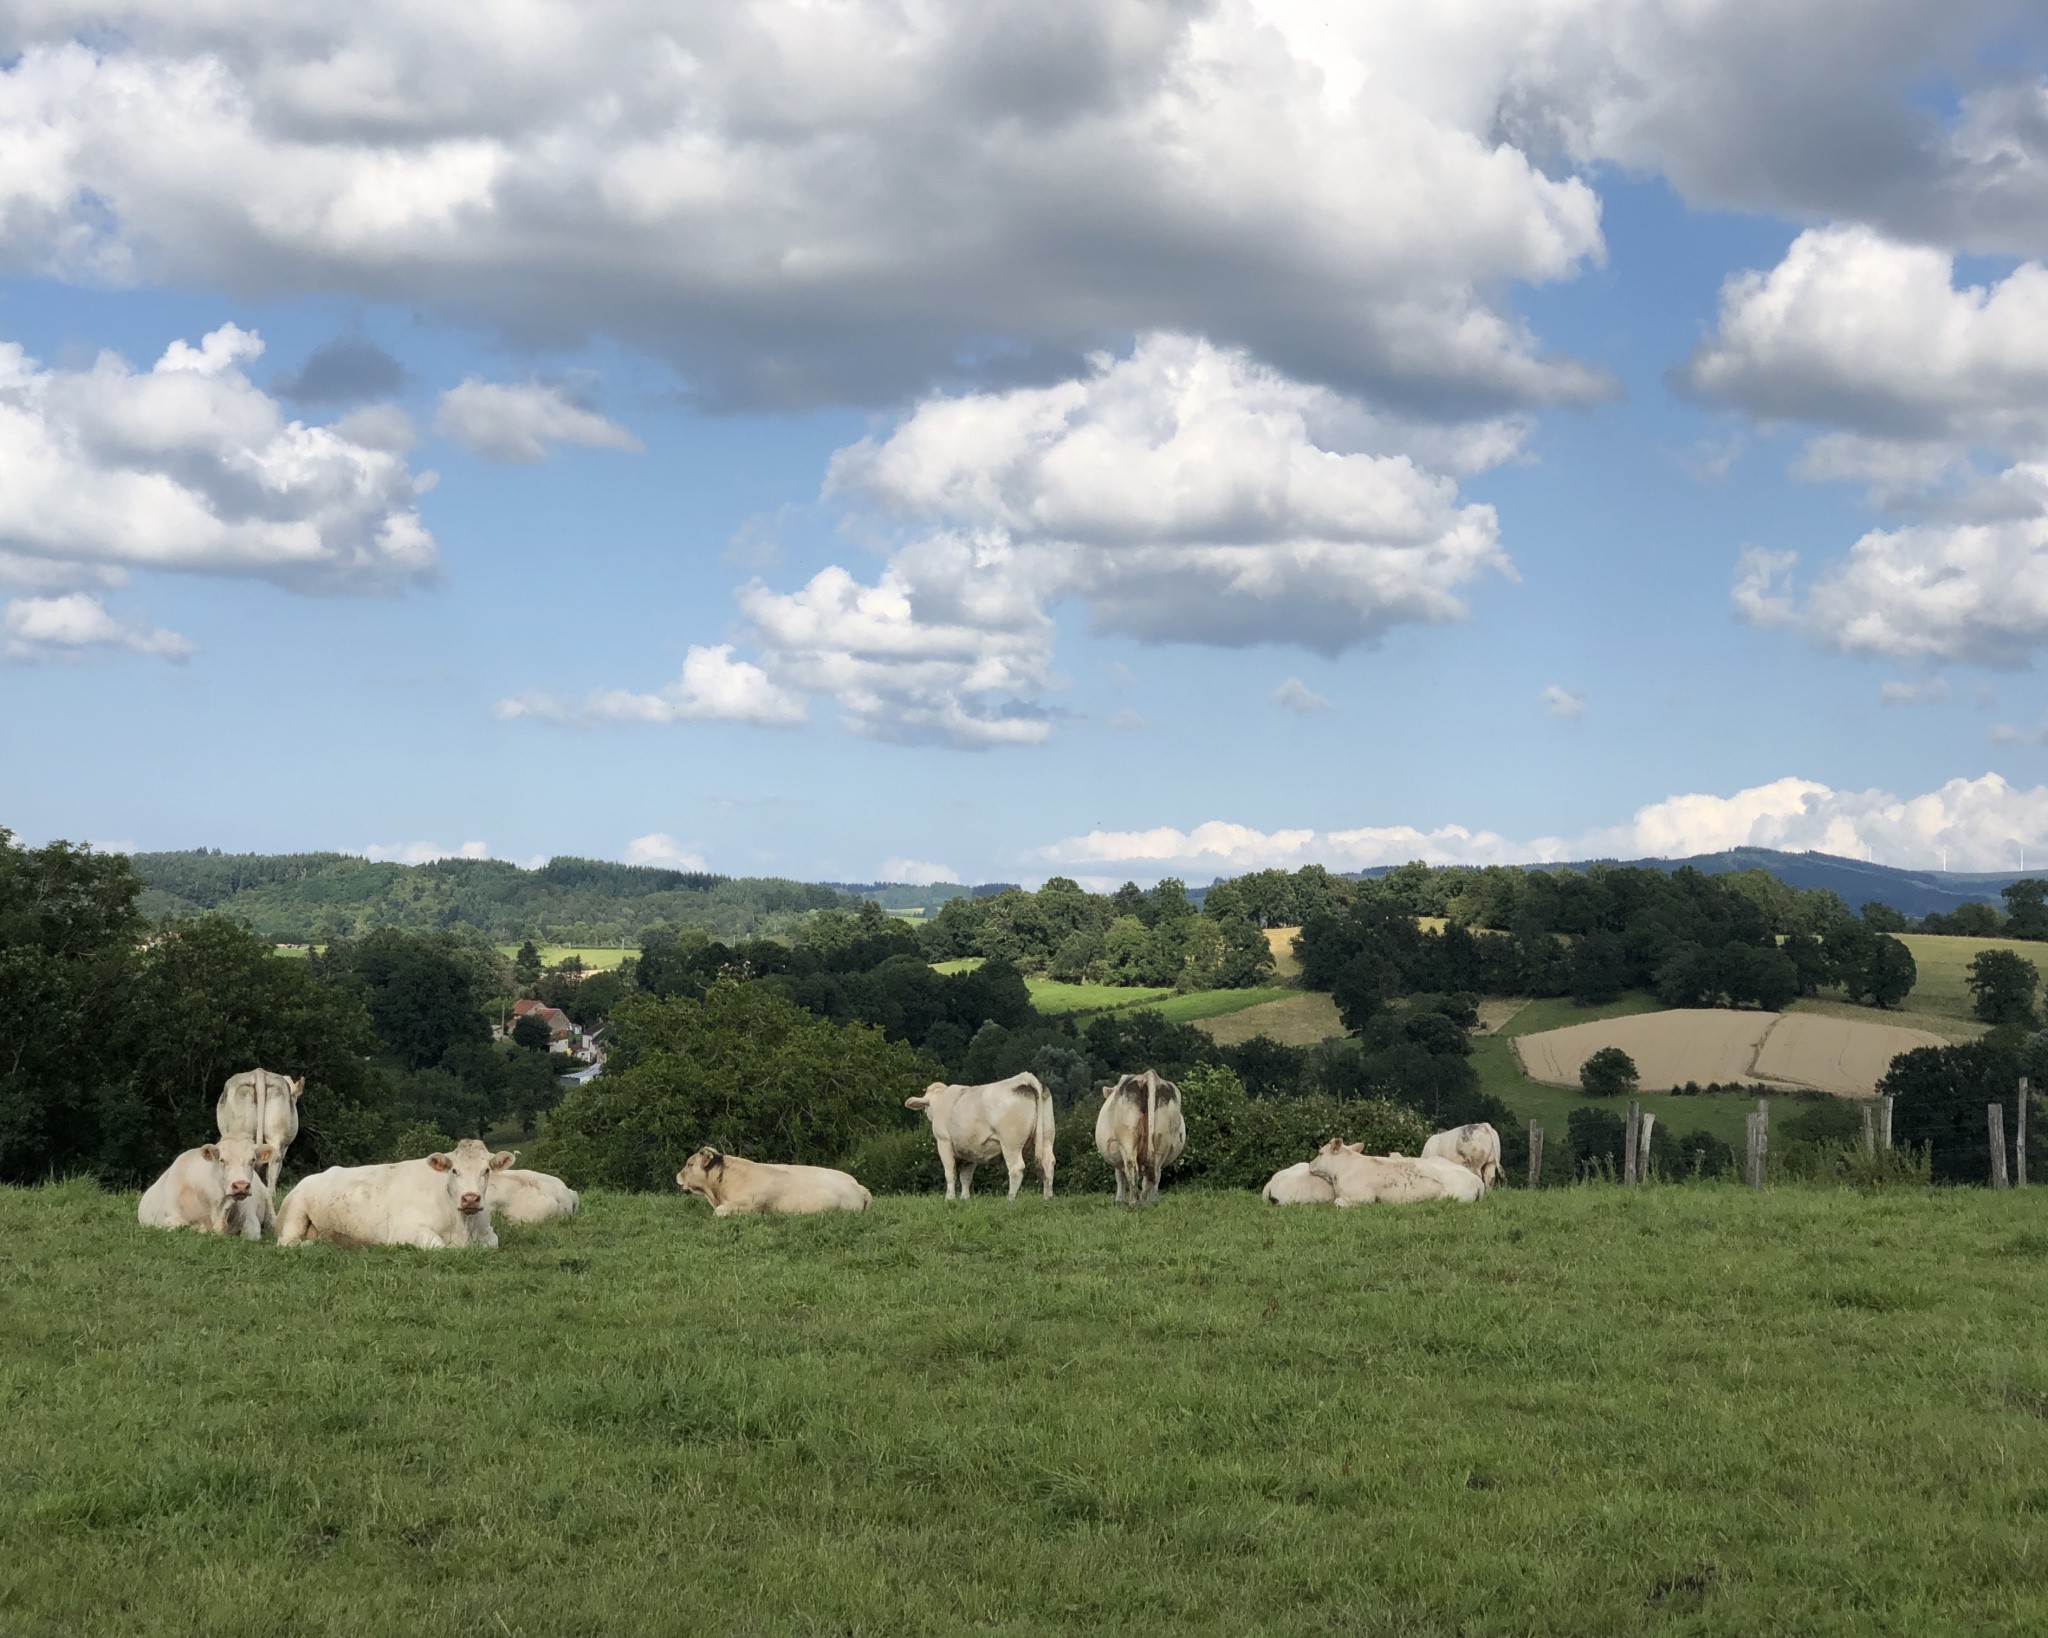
point(1115, 439)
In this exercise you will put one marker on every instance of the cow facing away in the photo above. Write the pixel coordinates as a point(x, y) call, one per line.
point(975, 1123)
point(1297, 1185)
point(217, 1188)
point(1475, 1146)
point(1140, 1131)
point(530, 1197)
point(437, 1203)
point(263, 1106)
point(1359, 1179)
point(731, 1185)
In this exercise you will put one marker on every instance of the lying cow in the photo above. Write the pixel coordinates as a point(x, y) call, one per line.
point(1357, 1178)
point(1476, 1147)
point(263, 1106)
point(1140, 1132)
point(732, 1185)
point(1297, 1185)
point(437, 1203)
point(976, 1123)
point(217, 1188)
point(530, 1197)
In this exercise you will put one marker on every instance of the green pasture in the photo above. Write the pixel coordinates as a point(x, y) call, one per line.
point(1943, 963)
point(1186, 1009)
point(1686, 1410)
point(595, 957)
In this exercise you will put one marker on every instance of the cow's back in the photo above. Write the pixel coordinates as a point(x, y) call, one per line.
point(373, 1205)
point(756, 1185)
point(1297, 1186)
point(530, 1197)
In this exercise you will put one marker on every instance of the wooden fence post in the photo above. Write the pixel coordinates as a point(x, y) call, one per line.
point(1869, 1130)
point(1887, 1119)
point(2019, 1138)
point(1628, 1144)
point(1763, 1139)
point(1535, 1157)
point(1994, 1115)
point(1749, 1138)
point(1644, 1127)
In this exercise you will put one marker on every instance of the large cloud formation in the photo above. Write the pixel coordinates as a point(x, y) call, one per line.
point(189, 467)
point(1968, 824)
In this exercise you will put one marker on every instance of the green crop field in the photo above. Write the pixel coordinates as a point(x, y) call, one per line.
point(1695, 1410)
point(1185, 1009)
point(1050, 996)
point(595, 957)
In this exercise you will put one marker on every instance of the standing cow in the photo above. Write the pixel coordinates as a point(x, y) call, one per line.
point(436, 1203)
point(1140, 1132)
point(1475, 1146)
point(263, 1106)
point(216, 1189)
point(976, 1123)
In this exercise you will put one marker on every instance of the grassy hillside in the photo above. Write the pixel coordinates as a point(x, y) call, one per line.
point(1943, 962)
point(1694, 1410)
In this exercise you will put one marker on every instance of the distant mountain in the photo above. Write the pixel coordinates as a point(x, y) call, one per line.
point(1856, 882)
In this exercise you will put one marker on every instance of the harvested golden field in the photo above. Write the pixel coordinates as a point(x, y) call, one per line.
point(1286, 964)
point(1301, 1019)
point(1839, 1055)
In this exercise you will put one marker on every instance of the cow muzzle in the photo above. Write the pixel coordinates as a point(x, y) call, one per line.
point(472, 1204)
point(239, 1190)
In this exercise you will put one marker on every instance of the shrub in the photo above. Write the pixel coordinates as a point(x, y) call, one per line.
point(1608, 1073)
point(1236, 1141)
point(743, 1069)
point(906, 1163)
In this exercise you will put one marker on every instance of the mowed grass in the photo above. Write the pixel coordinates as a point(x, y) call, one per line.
point(595, 957)
point(1943, 963)
point(1295, 1018)
point(1688, 1410)
point(1052, 997)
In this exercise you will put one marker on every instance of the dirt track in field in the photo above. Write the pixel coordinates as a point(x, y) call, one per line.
point(1840, 1055)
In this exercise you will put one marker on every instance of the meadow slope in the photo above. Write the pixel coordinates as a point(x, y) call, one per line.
point(1687, 1410)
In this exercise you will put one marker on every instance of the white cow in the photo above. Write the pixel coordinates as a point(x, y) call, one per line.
point(1359, 1179)
point(261, 1105)
point(1297, 1186)
point(1475, 1146)
point(530, 1197)
point(215, 1188)
point(732, 1185)
point(1140, 1132)
point(437, 1203)
point(976, 1123)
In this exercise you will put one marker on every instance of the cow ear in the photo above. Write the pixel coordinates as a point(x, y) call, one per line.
point(298, 1086)
point(502, 1159)
point(264, 1154)
point(208, 1151)
point(441, 1163)
point(917, 1103)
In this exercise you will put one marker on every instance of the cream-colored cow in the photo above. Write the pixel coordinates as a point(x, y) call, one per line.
point(732, 1185)
point(263, 1106)
point(217, 1188)
point(1297, 1185)
point(1359, 1179)
point(1475, 1146)
point(975, 1123)
point(530, 1197)
point(1140, 1131)
point(437, 1203)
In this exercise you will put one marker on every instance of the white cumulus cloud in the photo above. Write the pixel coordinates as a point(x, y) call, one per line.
point(1562, 703)
point(188, 466)
point(660, 848)
point(514, 422)
point(714, 687)
point(1296, 695)
point(1976, 824)
point(70, 627)
point(424, 852)
point(916, 872)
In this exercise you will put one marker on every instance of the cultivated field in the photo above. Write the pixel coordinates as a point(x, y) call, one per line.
point(595, 957)
point(1691, 1410)
point(1286, 964)
point(1705, 1044)
point(1295, 1018)
point(1944, 961)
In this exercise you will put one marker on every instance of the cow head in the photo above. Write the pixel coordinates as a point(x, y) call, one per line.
point(468, 1168)
point(238, 1158)
point(701, 1172)
point(924, 1101)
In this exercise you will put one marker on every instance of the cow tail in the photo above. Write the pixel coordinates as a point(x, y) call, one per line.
point(1044, 1138)
point(1151, 1143)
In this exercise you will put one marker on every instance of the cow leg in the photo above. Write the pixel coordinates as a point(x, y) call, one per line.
point(967, 1180)
point(1119, 1185)
point(946, 1165)
point(1015, 1163)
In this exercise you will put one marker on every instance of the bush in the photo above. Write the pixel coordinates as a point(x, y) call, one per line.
point(744, 1070)
point(906, 1163)
point(1236, 1141)
point(1608, 1073)
point(417, 1140)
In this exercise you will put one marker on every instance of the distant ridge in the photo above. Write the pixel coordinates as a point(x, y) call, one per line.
point(1856, 882)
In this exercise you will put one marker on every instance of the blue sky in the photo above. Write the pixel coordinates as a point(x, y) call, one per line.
point(1104, 512)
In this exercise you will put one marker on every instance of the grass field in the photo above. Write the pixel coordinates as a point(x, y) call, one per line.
point(1944, 961)
point(1693, 1410)
point(1293, 1018)
point(595, 957)
point(1051, 997)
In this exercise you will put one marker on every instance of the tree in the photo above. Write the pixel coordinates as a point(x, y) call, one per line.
point(744, 1070)
point(532, 1033)
point(422, 991)
point(1594, 1135)
point(1882, 918)
point(2004, 983)
point(1891, 972)
point(2026, 903)
point(1608, 1073)
point(1942, 1093)
point(526, 964)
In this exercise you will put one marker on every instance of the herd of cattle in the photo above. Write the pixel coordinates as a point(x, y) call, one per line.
point(448, 1200)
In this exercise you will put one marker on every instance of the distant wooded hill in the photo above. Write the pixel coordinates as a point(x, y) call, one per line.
point(1855, 881)
point(317, 897)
